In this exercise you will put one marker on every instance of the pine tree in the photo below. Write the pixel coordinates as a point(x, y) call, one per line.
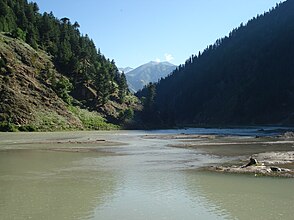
point(123, 87)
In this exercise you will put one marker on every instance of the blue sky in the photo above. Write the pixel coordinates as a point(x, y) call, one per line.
point(134, 32)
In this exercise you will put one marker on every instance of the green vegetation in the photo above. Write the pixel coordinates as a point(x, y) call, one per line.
point(126, 115)
point(245, 78)
point(74, 55)
point(7, 126)
point(149, 114)
point(54, 78)
point(27, 128)
point(63, 87)
point(19, 33)
point(92, 120)
point(51, 121)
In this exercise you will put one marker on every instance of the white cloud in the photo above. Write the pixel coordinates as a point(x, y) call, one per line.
point(157, 60)
point(168, 57)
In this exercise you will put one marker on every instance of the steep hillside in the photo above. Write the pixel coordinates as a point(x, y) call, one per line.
point(243, 79)
point(149, 72)
point(26, 90)
point(31, 92)
point(58, 68)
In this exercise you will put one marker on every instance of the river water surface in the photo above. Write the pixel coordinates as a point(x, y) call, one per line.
point(136, 178)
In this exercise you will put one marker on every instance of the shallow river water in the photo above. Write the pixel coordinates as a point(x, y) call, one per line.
point(138, 179)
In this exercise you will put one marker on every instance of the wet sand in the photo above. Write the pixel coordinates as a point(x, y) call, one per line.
point(64, 143)
point(274, 154)
point(98, 145)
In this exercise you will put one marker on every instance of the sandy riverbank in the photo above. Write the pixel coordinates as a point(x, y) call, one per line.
point(274, 155)
point(62, 143)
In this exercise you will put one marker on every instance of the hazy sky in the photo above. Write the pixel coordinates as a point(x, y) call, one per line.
point(134, 32)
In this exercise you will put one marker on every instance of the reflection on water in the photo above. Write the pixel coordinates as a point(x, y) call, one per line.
point(50, 185)
point(154, 195)
point(243, 196)
point(142, 180)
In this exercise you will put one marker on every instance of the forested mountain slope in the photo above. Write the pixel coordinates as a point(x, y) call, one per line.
point(246, 78)
point(73, 70)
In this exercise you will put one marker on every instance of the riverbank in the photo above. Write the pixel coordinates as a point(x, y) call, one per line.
point(215, 150)
point(265, 164)
point(272, 155)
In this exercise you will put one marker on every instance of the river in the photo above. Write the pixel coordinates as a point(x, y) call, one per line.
point(128, 176)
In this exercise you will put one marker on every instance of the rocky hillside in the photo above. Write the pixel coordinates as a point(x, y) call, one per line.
point(33, 93)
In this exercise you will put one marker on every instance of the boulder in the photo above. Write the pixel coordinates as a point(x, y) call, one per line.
point(275, 169)
point(252, 161)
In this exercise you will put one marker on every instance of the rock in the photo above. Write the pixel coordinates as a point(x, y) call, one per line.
point(252, 161)
point(288, 134)
point(285, 170)
point(219, 168)
point(275, 169)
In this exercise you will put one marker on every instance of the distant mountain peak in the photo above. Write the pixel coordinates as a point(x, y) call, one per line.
point(126, 69)
point(148, 72)
point(163, 62)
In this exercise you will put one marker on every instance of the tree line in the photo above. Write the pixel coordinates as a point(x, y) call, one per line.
point(244, 78)
point(74, 54)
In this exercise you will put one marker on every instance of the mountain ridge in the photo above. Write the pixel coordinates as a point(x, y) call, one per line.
point(148, 72)
point(125, 69)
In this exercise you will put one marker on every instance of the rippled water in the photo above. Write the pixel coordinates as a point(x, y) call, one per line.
point(144, 179)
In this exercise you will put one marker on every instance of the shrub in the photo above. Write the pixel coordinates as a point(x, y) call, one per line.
point(7, 127)
point(91, 120)
point(19, 33)
point(29, 128)
point(63, 87)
